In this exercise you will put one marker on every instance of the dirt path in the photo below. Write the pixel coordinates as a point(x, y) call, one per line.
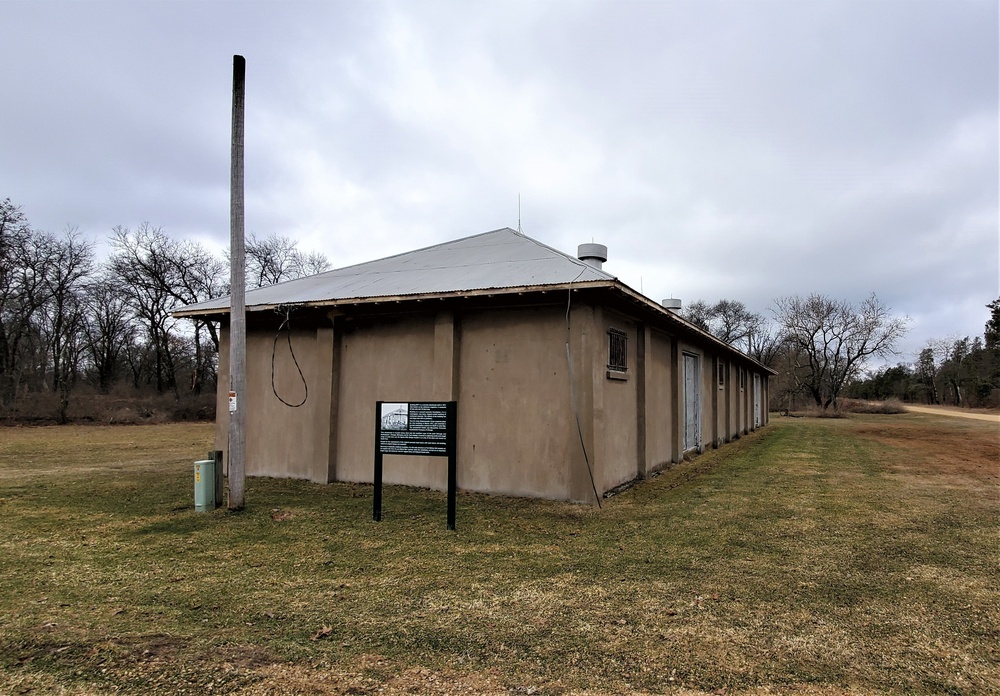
point(939, 411)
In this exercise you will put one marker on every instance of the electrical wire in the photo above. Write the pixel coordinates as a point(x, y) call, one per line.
point(287, 324)
point(572, 392)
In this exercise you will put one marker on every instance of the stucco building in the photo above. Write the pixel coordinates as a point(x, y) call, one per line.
point(563, 374)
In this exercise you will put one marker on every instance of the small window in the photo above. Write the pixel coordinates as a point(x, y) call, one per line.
point(617, 350)
point(743, 378)
point(722, 374)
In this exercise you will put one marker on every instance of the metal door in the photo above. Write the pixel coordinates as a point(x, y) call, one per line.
point(692, 402)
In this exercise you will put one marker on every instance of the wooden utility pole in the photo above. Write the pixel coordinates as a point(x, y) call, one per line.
point(237, 308)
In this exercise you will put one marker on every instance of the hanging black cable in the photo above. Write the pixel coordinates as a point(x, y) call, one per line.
point(287, 326)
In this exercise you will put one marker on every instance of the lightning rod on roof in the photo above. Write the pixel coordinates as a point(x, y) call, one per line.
point(519, 231)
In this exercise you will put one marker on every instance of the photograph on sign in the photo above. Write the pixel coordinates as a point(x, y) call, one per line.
point(395, 416)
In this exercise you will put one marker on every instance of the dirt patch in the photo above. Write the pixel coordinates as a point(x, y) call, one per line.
point(970, 451)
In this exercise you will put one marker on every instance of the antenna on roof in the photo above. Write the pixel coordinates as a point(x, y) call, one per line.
point(519, 231)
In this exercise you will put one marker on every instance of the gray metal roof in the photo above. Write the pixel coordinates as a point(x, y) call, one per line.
point(500, 259)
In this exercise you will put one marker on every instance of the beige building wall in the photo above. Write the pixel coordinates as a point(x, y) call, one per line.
point(516, 430)
point(713, 428)
point(281, 441)
point(739, 410)
point(711, 394)
point(735, 420)
point(660, 409)
point(507, 369)
point(388, 359)
point(734, 399)
point(616, 411)
point(722, 394)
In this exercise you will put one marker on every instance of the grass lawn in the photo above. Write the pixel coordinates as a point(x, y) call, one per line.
point(813, 557)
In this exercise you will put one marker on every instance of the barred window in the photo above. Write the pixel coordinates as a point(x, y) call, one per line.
point(617, 350)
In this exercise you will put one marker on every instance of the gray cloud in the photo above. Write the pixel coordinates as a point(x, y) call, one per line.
point(721, 149)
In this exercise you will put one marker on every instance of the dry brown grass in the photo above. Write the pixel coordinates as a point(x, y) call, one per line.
point(887, 407)
point(122, 408)
point(816, 557)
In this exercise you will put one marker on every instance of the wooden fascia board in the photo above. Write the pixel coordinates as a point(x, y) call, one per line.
point(215, 314)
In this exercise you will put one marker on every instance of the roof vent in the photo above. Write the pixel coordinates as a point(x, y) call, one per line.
point(592, 254)
point(673, 305)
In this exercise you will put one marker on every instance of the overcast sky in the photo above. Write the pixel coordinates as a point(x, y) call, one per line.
point(741, 149)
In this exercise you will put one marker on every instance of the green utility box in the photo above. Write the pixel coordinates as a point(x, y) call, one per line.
point(204, 485)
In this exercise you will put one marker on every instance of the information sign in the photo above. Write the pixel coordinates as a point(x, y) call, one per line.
point(419, 428)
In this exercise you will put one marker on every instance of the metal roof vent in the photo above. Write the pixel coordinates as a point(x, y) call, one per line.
point(592, 254)
point(673, 305)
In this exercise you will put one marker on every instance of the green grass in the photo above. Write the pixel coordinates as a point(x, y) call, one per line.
point(856, 555)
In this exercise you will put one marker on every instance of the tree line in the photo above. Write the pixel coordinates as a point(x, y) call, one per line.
point(957, 372)
point(69, 319)
point(822, 349)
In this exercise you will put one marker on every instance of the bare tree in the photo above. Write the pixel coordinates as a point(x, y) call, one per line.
point(196, 275)
point(829, 341)
point(70, 262)
point(142, 261)
point(160, 273)
point(108, 327)
point(277, 258)
point(732, 322)
point(699, 313)
point(762, 340)
point(23, 264)
point(62, 315)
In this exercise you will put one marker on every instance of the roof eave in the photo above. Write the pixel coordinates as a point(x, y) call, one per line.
point(615, 285)
point(218, 313)
point(681, 321)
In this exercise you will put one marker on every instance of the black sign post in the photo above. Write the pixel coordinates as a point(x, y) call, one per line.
point(425, 428)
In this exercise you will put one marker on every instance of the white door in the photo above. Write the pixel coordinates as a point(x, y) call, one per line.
point(692, 402)
point(758, 416)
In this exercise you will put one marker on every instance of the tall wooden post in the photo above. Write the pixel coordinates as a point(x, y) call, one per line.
point(237, 310)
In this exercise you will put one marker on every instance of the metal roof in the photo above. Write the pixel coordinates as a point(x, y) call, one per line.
point(502, 260)
point(499, 259)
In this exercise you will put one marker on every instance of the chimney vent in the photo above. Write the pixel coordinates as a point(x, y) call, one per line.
point(673, 305)
point(592, 254)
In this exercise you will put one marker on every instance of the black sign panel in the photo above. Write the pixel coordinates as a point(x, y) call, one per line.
point(420, 427)
point(426, 428)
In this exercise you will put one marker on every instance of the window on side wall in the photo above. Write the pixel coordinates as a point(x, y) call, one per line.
point(722, 374)
point(617, 351)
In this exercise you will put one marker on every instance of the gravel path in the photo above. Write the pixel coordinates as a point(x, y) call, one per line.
point(939, 411)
